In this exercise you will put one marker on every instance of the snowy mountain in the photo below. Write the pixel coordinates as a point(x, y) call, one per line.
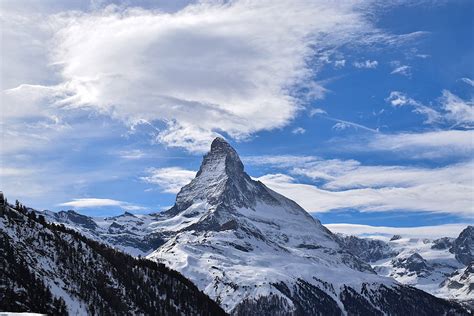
point(460, 284)
point(50, 269)
point(134, 234)
point(442, 267)
point(256, 252)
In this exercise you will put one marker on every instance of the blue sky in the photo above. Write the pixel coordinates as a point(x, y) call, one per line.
point(362, 113)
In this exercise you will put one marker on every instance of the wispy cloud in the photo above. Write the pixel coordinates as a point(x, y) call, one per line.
point(403, 70)
point(169, 180)
point(458, 111)
point(96, 202)
point(340, 63)
point(340, 126)
point(316, 111)
point(423, 56)
point(447, 230)
point(400, 69)
point(350, 184)
point(343, 124)
point(468, 81)
point(369, 64)
point(399, 99)
point(432, 144)
point(132, 154)
point(444, 197)
point(453, 110)
point(298, 131)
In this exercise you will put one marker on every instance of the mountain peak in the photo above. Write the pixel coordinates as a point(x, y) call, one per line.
point(221, 179)
point(222, 187)
point(220, 143)
point(221, 160)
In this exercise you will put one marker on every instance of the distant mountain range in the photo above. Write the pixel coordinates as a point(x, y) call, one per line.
point(443, 267)
point(253, 251)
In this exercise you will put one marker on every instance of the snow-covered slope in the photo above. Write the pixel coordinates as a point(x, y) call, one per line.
point(134, 234)
point(460, 285)
point(49, 269)
point(256, 252)
point(442, 266)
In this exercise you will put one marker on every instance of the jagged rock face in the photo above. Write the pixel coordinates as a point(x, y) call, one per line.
point(222, 183)
point(414, 263)
point(422, 263)
point(369, 250)
point(220, 180)
point(463, 246)
point(460, 284)
point(223, 197)
point(442, 243)
point(76, 218)
point(395, 237)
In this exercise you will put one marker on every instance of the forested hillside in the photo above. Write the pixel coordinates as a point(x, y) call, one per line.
point(49, 268)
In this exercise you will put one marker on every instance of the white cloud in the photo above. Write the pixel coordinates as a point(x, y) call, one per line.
point(369, 64)
point(438, 231)
point(95, 202)
point(403, 70)
point(340, 63)
point(316, 111)
point(340, 126)
point(24, 57)
point(298, 131)
point(349, 184)
point(422, 56)
point(399, 176)
point(433, 144)
point(132, 154)
point(6, 171)
point(397, 99)
point(444, 197)
point(170, 180)
point(455, 111)
point(283, 161)
point(344, 174)
point(233, 64)
point(458, 111)
point(468, 81)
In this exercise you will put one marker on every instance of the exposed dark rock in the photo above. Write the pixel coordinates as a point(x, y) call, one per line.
point(463, 246)
point(442, 243)
point(395, 237)
point(369, 250)
point(413, 263)
point(76, 218)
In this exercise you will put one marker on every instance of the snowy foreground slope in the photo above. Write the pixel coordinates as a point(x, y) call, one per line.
point(256, 252)
point(49, 269)
point(443, 267)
